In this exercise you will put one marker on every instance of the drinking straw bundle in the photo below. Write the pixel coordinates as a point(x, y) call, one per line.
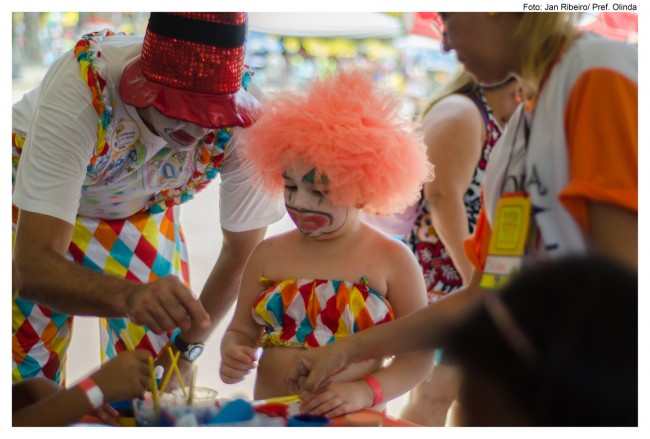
point(174, 368)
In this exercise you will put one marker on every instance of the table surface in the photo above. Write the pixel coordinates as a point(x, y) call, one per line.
point(387, 421)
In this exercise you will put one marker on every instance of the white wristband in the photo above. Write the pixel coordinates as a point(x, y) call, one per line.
point(93, 392)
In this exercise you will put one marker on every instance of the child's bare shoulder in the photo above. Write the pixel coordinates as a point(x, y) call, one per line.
point(381, 239)
point(276, 243)
point(387, 245)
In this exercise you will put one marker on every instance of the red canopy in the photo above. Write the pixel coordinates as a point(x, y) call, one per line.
point(622, 26)
point(421, 25)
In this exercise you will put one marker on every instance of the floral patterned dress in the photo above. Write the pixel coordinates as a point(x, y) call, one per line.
point(440, 275)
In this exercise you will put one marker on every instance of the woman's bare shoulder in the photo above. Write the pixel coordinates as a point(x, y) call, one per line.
point(455, 107)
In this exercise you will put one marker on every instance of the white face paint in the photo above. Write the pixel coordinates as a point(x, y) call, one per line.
point(178, 134)
point(310, 209)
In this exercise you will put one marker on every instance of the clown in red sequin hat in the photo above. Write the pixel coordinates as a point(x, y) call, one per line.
point(191, 69)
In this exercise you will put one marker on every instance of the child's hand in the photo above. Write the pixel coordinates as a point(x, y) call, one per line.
point(125, 376)
point(236, 363)
point(108, 415)
point(338, 399)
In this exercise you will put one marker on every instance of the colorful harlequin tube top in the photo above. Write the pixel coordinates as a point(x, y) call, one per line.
point(312, 313)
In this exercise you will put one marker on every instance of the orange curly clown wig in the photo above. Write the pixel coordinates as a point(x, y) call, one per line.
point(353, 135)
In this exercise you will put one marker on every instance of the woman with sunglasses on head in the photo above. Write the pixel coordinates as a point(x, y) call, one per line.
point(562, 180)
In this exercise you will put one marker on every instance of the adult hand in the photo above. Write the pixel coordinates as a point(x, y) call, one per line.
point(313, 369)
point(165, 304)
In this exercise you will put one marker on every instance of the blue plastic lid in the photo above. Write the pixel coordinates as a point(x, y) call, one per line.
point(307, 420)
point(124, 404)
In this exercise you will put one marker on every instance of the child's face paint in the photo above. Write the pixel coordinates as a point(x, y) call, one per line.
point(178, 134)
point(307, 204)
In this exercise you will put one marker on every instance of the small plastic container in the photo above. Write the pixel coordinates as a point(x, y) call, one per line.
point(174, 411)
point(202, 395)
point(307, 420)
point(145, 413)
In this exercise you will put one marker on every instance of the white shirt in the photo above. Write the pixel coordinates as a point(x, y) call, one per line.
point(60, 126)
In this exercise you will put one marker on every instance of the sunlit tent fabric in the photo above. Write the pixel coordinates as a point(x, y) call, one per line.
point(353, 25)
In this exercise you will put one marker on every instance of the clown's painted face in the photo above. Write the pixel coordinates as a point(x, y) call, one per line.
point(308, 205)
point(178, 134)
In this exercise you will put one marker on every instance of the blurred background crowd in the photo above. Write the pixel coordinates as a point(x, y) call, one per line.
point(400, 49)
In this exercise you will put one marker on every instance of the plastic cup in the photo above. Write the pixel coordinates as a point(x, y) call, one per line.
point(202, 395)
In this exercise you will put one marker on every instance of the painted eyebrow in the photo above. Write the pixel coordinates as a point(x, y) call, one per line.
point(310, 177)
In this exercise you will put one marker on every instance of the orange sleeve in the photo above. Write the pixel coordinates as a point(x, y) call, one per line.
point(476, 246)
point(601, 127)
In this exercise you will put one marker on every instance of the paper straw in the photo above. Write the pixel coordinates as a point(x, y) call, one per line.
point(127, 340)
point(154, 387)
point(190, 398)
point(168, 376)
point(177, 371)
point(280, 399)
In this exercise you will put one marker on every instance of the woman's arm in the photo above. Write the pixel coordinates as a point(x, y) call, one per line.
point(454, 133)
point(406, 294)
point(615, 231)
point(422, 330)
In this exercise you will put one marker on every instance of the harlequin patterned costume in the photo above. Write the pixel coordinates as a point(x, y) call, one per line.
point(140, 248)
point(127, 223)
point(312, 313)
point(440, 275)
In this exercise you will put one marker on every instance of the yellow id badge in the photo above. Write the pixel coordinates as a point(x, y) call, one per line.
point(508, 240)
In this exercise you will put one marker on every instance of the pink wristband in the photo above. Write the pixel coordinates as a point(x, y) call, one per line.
point(93, 392)
point(376, 389)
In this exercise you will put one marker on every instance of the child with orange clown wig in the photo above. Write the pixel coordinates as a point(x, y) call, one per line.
point(339, 147)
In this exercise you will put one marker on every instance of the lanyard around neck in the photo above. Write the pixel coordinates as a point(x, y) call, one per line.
point(525, 125)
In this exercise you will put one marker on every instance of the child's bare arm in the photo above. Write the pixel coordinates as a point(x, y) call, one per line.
point(406, 294)
point(239, 342)
point(124, 376)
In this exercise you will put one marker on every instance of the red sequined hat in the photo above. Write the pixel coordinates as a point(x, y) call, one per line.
point(191, 68)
